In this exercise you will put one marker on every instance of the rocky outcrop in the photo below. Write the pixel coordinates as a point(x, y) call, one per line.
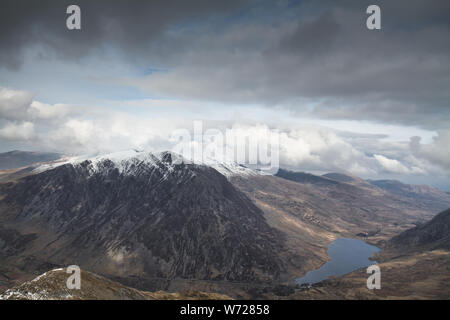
point(52, 285)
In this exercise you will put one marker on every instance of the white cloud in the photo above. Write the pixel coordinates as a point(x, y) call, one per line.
point(18, 105)
point(391, 165)
point(18, 132)
point(315, 148)
point(437, 152)
point(74, 130)
point(39, 110)
point(14, 104)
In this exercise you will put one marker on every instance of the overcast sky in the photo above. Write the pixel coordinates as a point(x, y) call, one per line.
point(373, 102)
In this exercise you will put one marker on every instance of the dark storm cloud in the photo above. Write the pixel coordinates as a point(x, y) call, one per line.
point(273, 53)
point(130, 25)
point(312, 38)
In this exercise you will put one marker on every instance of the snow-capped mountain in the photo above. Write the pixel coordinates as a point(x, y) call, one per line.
point(131, 161)
point(138, 215)
point(158, 221)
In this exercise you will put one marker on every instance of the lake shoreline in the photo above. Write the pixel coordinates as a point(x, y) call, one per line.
point(346, 255)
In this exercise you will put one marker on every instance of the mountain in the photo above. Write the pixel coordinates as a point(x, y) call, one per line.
point(406, 190)
point(433, 198)
point(155, 221)
point(312, 211)
point(422, 197)
point(311, 214)
point(341, 177)
point(303, 177)
point(16, 159)
point(434, 234)
point(321, 207)
point(52, 286)
point(140, 218)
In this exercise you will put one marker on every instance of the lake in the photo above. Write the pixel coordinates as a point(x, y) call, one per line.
point(346, 256)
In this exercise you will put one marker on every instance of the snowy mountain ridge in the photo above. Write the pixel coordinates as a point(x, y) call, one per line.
point(129, 161)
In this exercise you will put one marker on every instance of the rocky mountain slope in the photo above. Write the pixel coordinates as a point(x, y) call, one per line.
point(157, 221)
point(434, 234)
point(149, 217)
point(312, 211)
point(421, 196)
point(52, 286)
point(319, 205)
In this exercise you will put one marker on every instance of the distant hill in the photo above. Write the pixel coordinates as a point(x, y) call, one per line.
point(304, 177)
point(339, 177)
point(425, 194)
point(406, 190)
point(16, 159)
point(350, 179)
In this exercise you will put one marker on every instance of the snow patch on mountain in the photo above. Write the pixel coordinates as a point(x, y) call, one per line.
point(35, 289)
point(127, 161)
